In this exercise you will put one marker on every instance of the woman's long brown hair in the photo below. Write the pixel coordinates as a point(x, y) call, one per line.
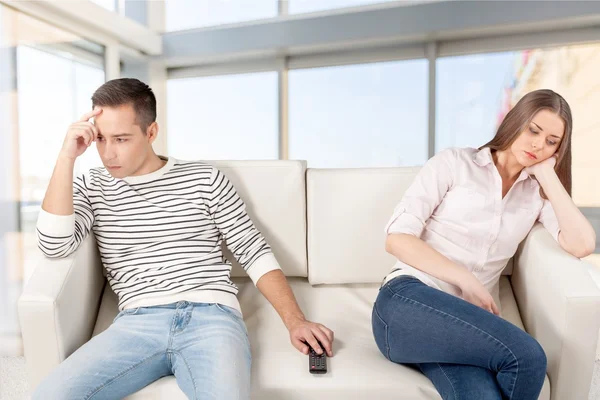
point(519, 118)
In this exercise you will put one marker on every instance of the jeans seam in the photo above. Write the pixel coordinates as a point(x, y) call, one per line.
point(185, 322)
point(170, 341)
point(190, 372)
point(447, 377)
point(120, 375)
point(394, 294)
point(385, 325)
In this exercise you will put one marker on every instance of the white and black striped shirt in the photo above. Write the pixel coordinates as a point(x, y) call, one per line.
point(160, 234)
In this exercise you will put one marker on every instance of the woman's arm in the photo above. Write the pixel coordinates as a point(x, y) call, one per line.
point(576, 235)
point(414, 251)
point(408, 221)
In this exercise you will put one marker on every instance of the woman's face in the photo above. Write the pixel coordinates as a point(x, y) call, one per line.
point(540, 140)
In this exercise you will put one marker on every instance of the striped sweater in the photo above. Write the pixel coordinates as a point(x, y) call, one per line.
point(160, 234)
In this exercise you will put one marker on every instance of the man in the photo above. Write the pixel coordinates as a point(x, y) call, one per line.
point(159, 223)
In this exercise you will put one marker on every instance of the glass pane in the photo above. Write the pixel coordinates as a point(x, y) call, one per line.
point(189, 14)
point(55, 78)
point(49, 100)
point(371, 115)
point(110, 5)
point(469, 97)
point(223, 117)
point(305, 6)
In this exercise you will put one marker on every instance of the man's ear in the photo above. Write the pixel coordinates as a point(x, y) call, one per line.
point(152, 132)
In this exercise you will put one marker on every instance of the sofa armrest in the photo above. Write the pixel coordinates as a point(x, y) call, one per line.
point(559, 303)
point(58, 308)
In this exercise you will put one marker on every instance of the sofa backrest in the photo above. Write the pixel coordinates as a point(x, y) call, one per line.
point(324, 224)
point(347, 213)
point(275, 197)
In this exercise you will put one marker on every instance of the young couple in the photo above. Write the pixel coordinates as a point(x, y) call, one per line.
point(159, 224)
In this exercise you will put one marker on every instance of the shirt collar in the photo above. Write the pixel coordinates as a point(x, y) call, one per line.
point(483, 157)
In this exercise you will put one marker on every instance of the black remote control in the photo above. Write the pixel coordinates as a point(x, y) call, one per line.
point(317, 364)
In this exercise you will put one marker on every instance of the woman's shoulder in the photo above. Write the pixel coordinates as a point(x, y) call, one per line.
point(453, 155)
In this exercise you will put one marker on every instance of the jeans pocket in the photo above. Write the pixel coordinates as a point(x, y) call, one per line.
point(236, 316)
point(128, 311)
point(230, 310)
point(380, 332)
point(400, 282)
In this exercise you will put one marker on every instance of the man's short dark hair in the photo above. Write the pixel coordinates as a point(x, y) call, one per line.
point(118, 92)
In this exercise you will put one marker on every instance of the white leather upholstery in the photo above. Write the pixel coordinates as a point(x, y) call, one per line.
point(274, 193)
point(558, 302)
point(560, 305)
point(58, 308)
point(347, 213)
point(357, 371)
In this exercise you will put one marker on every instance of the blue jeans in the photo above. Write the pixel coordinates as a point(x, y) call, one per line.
point(466, 351)
point(205, 346)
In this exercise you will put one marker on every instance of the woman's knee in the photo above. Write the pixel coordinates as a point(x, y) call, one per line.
point(530, 356)
point(537, 356)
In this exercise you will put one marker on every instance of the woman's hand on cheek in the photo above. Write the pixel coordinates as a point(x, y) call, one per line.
point(542, 166)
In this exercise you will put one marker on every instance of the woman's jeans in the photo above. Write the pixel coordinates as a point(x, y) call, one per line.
point(205, 346)
point(466, 351)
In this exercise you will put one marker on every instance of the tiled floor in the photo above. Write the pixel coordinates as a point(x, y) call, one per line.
point(13, 381)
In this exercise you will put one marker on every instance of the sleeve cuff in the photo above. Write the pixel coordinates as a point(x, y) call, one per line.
point(56, 225)
point(265, 263)
point(403, 222)
point(555, 235)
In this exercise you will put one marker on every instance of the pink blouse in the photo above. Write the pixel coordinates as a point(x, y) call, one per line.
point(455, 205)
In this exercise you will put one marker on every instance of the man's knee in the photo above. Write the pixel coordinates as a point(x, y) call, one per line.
point(55, 388)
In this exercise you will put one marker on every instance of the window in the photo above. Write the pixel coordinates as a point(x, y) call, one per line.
point(370, 115)
point(110, 5)
point(189, 14)
point(223, 117)
point(55, 78)
point(469, 98)
point(306, 6)
point(49, 100)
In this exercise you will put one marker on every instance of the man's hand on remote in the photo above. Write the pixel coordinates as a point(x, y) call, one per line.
point(303, 332)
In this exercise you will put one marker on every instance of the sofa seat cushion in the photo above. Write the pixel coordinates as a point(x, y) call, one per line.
point(357, 371)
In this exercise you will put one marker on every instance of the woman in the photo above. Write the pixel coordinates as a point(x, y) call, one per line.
point(453, 232)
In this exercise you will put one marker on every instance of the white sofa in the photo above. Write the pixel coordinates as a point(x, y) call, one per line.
point(326, 229)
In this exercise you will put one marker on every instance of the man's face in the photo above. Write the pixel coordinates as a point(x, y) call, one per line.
point(122, 145)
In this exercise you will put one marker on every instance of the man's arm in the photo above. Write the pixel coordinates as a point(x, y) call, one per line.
point(59, 195)
point(273, 285)
point(254, 255)
point(66, 216)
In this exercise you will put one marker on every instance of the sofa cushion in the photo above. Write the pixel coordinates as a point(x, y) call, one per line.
point(275, 197)
point(348, 209)
point(357, 371)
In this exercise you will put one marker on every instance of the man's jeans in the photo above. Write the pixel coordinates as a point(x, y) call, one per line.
point(205, 346)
